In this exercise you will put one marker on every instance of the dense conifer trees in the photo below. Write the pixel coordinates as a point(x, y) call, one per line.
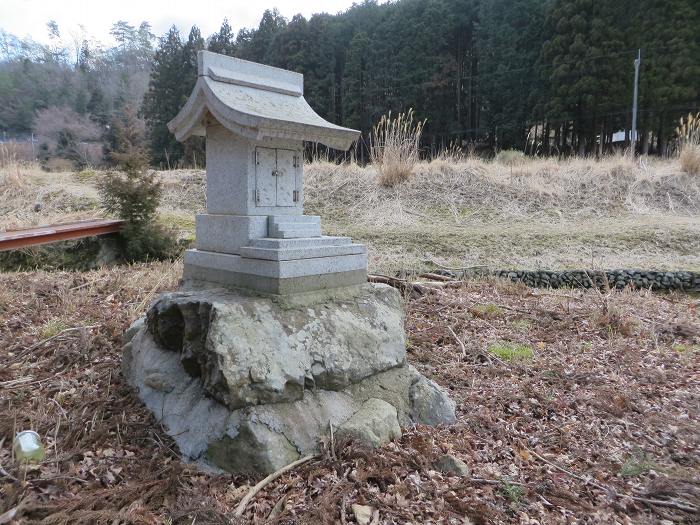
point(547, 76)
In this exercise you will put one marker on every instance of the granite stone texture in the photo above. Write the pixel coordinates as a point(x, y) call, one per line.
point(248, 384)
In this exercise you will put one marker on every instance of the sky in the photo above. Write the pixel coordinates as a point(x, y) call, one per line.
point(28, 17)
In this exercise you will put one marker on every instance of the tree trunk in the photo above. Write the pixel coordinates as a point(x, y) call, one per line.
point(645, 142)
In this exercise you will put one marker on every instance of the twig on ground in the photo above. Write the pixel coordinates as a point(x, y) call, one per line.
point(436, 277)
point(587, 481)
point(461, 344)
point(9, 516)
point(462, 269)
point(88, 283)
point(16, 382)
point(6, 474)
point(257, 488)
point(277, 509)
point(686, 507)
point(62, 332)
point(438, 285)
point(496, 482)
point(400, 284)
point(330, 424)
point(404, 210)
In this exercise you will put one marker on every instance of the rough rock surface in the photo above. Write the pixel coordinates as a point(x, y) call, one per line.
point(250, 350)
point(250, 384)
point(452, 466)
point(375, 424)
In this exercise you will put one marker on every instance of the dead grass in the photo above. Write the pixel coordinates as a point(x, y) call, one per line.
point(572, 187)
point(12, 172)
point(394, 147)
point(616, 212)
point(458, 210)
point(690, 159)
point(595, 423)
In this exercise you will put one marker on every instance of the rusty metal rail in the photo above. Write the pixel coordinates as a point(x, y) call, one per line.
point(13, 240)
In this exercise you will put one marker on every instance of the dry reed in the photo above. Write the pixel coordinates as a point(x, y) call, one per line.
point(10, 169)
point(688, 132)
point(394, 147)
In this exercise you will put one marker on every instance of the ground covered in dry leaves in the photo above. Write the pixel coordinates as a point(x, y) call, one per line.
point(573, 407)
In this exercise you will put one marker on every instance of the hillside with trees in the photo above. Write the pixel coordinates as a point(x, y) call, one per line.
point(543, 76)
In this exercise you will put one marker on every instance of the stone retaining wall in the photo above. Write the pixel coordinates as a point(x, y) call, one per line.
point(656, 280)
point(639, 279)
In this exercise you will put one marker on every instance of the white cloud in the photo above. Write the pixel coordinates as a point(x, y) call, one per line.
point(28, 17)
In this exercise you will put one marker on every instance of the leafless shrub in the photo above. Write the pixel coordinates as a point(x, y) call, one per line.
point(49, 123)
point(66, 134)
point(394, 147)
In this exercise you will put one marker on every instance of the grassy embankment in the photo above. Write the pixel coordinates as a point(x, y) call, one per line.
point(541, 213)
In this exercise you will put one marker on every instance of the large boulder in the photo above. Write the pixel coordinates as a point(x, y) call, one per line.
point(249, 384)
point(251, 350)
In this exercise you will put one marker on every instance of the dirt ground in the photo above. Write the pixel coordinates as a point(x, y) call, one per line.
point(573, 407)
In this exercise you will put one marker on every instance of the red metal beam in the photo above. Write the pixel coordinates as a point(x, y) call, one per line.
point(13, 240)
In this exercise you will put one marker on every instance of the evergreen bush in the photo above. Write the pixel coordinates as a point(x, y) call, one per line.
point(133, 194)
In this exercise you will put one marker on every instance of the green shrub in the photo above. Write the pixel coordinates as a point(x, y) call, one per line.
point(134, 194)
point(486, 311)
point(509, 351)
point(513, 493)
point(636, 465)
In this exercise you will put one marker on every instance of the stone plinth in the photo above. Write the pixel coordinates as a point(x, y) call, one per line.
point(248, 384)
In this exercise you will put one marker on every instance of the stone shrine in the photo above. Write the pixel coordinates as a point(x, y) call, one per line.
point(255, 234)
point(275, 338)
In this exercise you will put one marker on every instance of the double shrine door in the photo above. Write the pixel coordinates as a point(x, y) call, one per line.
point(278, 174)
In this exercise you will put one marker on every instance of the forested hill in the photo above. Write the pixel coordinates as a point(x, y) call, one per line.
point(496, 73)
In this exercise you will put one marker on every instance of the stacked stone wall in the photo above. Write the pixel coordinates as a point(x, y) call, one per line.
point(685, 281)
point(639, 279)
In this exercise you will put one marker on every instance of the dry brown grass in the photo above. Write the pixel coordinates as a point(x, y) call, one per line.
point(542, 213)
point(459, 210)
point(573, 186)
point(688, 133)
point(394, 147)
point(690, 159)
point(11, 169)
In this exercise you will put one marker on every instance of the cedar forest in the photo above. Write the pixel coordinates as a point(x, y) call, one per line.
point(543, 76)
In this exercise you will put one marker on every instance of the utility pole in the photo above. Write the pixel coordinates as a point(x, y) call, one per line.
point(637, 62)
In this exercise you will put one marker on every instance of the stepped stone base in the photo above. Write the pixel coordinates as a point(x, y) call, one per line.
point(294, 226)
point(280, 272)
point(227, 233)
point(249, 384)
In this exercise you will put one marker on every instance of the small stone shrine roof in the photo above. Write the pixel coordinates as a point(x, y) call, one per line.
point(255, 101)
